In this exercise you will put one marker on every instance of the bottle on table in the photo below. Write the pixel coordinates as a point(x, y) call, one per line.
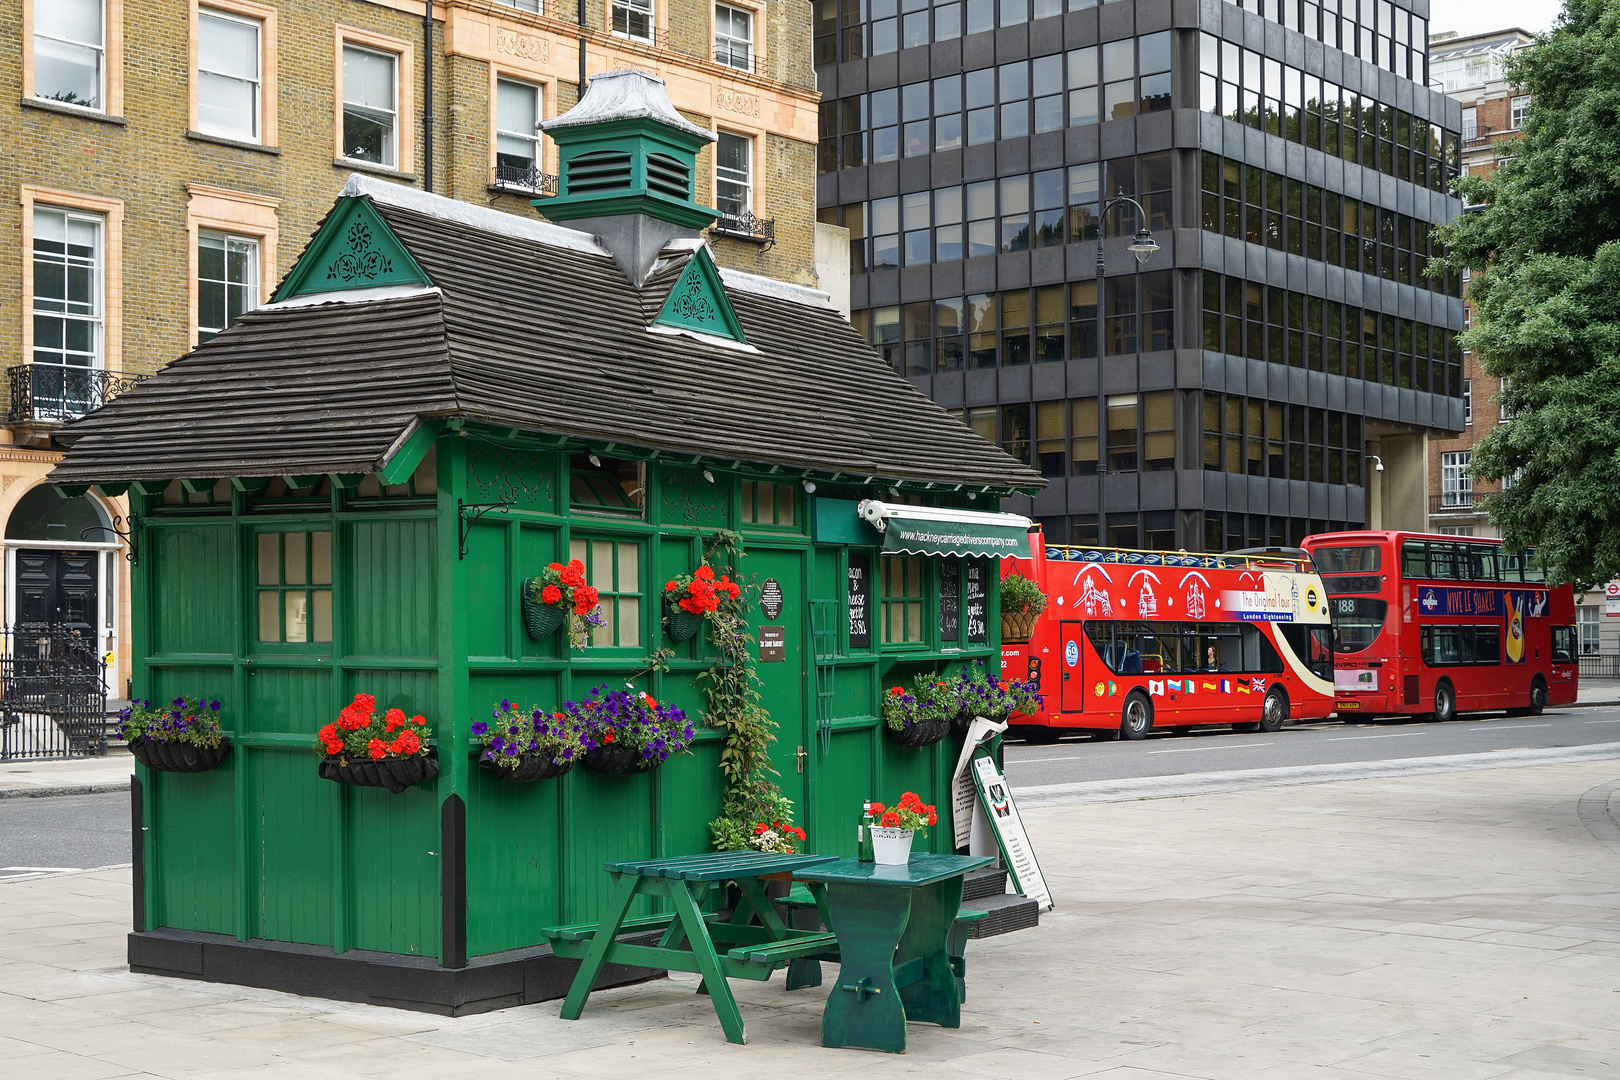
point(863, 834)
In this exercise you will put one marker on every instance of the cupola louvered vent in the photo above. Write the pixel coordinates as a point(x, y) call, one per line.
point(668, 176)
point(599, 171)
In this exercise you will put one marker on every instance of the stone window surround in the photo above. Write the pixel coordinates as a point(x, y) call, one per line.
point(757, 170)
point(404, 100)
point(546, 84)
point(112, 248)
point(268, 49)
point(113, 53)
point(760, 11)
point(235, 212)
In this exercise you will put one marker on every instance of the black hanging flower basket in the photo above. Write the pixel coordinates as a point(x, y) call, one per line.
point(179, 756)
point(618, 761)
point(682, 625)
point(395, 774)
point(919, 733)
point(540, 620)
point(960, 722)
point(527, 770)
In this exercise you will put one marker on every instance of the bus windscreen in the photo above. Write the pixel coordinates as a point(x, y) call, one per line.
point(1356, 622)
point(1359, 559)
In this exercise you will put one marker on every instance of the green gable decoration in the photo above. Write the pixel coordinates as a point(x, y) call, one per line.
point(354, 249)
point(698, 301)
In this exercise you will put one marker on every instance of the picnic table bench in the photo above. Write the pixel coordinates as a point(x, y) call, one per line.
point(738, 948)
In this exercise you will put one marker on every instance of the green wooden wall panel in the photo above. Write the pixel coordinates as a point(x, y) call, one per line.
point(513, 848)
point(292, 701)
point(488, 689)
point(416, 692)
point(293, 815)
point(484, 593)
point(685, 498)
point(690, 791)
point(192, 613)
point(393, 887)
point(194, 848)
point(608, 817)
point(393, 569)
point(205, 683)
point(526, 478)
point(843, 781)
point(853, 694)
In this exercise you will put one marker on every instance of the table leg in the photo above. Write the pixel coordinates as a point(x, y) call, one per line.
point(708, 962)
point(865, 1007)
point(934, 996)
point(624, 890)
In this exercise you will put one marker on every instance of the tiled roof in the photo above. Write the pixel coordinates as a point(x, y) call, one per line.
point(524, 332)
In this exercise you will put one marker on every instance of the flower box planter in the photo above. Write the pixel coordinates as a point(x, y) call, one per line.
point(179, 756)
point(618, 761)
point(396, 774)
point(680, 625)
point(891, 847)
point(919, 733)
point(527, 770)
point(540, 621)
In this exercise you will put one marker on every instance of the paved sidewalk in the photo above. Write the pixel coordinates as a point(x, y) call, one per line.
point(1458, 925)
point(75, 776)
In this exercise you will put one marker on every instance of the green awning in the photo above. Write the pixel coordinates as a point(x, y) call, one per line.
point(920, 530)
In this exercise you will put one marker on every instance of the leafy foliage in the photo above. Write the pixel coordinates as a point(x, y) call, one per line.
point(513, 734)
point(1545, 257)
point(183, 720)
point(1021, 596)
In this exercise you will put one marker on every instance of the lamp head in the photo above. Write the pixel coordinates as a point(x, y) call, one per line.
point(1143, 245)
point(1378, 462)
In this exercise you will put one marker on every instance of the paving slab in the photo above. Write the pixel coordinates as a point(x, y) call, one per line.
point(1459, 926)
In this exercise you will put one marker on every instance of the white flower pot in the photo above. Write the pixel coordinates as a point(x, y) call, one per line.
point(891, 847)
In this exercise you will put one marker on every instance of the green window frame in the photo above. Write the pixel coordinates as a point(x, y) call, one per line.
point(293, 587)
point(614, 568)
point(764, 503)
point(901, 585)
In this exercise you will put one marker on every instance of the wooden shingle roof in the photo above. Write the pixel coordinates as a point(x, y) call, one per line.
point(534, 327)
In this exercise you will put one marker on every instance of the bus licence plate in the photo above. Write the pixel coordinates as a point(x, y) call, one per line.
point(1347, 704)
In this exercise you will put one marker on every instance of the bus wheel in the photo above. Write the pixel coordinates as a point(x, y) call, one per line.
point(1538, 699)
point(1136, 719)
point(1041, 736)
point(1274, 713)
point(1445, 702)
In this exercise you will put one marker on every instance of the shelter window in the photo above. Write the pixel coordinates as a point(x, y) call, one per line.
point(228, 75)
point(70, 42)
point(613, 567)
point(605, 485)
point(370, 116)
point(517, 143)
point(294, 587)
point(633, 19)
point(902, 599)
point(227, 280)
point(734, 37)
point(767, 504)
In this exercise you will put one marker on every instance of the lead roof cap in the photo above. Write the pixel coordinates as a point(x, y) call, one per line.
point(625, 95)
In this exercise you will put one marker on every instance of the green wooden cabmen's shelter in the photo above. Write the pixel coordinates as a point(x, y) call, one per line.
point(345, 491)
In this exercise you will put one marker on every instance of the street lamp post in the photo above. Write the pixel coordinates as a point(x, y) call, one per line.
point(1143, 246)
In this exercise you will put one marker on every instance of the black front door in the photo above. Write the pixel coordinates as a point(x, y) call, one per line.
point(58, 587)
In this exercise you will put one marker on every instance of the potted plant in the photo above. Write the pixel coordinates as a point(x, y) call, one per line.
point(628, 732)
point(921, 716)
point(897, 827)
point(1021, 602)
point(525, 745)
point(560, 594)
point(690, 598)
point(182, 736)
point(992, 699)
point(766, 824)
point(371, 749)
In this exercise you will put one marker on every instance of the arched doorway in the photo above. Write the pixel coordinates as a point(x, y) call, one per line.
point(59, 570)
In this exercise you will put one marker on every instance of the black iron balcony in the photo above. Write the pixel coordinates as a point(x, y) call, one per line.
point(747, 227)
point(741, 57)
point(54, 393)
point(1452, 502)
point(525, 179)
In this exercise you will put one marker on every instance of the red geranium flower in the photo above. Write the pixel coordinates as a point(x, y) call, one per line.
point(933, 818)
point(378, 748)
point(406, 743)
point(550, 594)
point(891, 820)
point(393, 718)
point(703, 573)
point(670, 586)
point(761, 829)
point(607, 736)
point(877, 809)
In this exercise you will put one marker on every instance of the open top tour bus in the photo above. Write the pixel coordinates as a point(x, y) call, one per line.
point(1133, 640)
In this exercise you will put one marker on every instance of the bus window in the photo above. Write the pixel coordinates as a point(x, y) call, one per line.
point(1563, 644)
point(1414, 559)
point(1312, 646)
point(1533, 573)
point(1511, 567)
point(1447, 646)
point(1487, 644)
point(1481, 562)
point(1442, 561)
point(1356, 622)
point(1362, 559)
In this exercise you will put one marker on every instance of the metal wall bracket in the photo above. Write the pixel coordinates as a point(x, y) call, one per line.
point(467, 513)
point(131, 536)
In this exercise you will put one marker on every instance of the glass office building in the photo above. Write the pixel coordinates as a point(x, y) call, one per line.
point(1243, 383)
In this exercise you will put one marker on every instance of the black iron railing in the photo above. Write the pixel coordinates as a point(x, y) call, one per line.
point(740, 57)
point(52, 392)
point(1594, 666)
point(53, 693)
point(747, 227)
point(1452, 502)
point(527, 179)
point(638, 31)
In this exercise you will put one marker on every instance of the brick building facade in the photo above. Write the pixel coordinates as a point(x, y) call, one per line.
point(168, 159)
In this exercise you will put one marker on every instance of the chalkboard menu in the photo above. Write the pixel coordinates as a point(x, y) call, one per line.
point(950, 608)
point(976, 606)
point(860, 596)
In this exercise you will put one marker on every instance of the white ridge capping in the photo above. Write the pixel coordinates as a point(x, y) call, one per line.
point(479, 217)
point(754, 283)
point(351, 296)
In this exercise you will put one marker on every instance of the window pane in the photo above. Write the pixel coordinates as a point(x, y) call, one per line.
point(269, 559)
point(323, 614)
point(269, 613)
point(227, 46)
point(320, 558)
point(368, 78)
point(297, 604)
point(629, 574)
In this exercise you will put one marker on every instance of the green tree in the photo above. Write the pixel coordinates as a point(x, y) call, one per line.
point(1545, 257)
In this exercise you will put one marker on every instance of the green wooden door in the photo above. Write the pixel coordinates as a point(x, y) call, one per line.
point(776, 577)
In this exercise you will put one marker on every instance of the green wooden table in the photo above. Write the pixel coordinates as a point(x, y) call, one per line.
point(893, 924)
point(755, 941)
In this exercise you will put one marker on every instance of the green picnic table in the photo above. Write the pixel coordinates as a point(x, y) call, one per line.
point(893, 925)
point(740, 948)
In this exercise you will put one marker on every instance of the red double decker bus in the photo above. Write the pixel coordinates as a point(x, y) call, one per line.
point(1437, 625)
point(1136, 640)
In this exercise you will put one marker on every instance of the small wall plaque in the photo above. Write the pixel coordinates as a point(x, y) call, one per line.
point(770, 599)
point(772, 644)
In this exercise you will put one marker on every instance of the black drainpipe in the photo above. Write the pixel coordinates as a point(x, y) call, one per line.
point(580, 14)
point(427, 95)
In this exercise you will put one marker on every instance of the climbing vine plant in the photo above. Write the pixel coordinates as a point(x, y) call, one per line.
point(735, 707)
